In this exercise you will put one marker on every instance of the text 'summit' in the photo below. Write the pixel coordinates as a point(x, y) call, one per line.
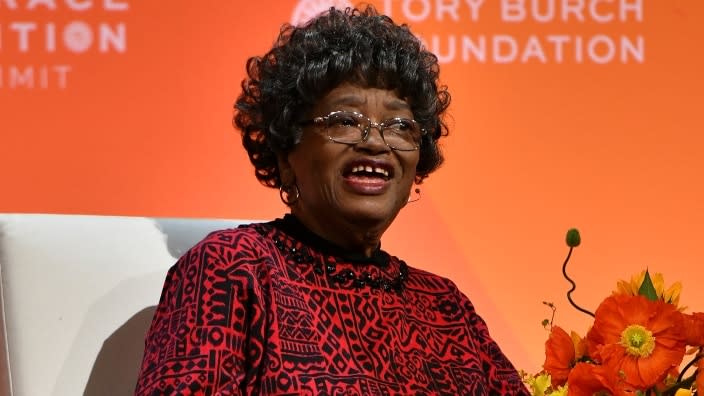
point(44, 39)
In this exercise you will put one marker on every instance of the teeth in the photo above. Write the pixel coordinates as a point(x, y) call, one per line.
point(369, 169)
point(382, 171)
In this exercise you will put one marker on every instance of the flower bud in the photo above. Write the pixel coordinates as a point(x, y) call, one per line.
point(573, 239)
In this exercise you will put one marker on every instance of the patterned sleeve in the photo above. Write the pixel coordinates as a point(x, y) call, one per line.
point(502, 377)
point(211, 316)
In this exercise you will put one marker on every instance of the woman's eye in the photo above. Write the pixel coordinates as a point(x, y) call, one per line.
point(401, 125)
point(344, 120)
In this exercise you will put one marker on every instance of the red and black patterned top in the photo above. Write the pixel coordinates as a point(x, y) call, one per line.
point(274, 309)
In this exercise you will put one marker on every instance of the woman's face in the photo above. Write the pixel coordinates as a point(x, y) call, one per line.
point(336, 187)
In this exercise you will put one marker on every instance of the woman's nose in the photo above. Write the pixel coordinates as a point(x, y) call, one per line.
point(374, 138)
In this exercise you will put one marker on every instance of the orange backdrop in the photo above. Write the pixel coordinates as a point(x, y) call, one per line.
point(565, 114)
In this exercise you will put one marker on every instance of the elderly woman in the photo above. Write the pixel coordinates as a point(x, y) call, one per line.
point(343, 116)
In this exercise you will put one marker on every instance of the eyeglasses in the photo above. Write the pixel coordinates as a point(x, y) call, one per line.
point(349, 127)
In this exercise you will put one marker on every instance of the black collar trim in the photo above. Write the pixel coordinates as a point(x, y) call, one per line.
point(294, 228)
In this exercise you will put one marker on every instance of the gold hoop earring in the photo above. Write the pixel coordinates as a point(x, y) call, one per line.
point(285, 194)
point(417, 197)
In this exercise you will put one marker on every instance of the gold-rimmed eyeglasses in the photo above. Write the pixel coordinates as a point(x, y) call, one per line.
point(350, 127)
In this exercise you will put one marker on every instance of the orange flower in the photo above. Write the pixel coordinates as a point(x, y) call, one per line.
point(639, 339)
point(694, 329)
point(560, 356)
point(587, 379)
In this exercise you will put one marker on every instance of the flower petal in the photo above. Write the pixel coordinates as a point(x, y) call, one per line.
point(559, 355)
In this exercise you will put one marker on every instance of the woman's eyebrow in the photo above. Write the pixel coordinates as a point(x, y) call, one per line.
point(396, 104)
point(351, 100)
point(355, 100)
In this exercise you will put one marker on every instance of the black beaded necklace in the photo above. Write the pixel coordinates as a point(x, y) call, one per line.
point(293, 227)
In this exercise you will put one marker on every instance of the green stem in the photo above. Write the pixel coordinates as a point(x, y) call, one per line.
point(574, 285)
point(689, 365)
point(685, 383)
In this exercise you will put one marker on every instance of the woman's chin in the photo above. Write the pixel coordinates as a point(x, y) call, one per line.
point(371, 213)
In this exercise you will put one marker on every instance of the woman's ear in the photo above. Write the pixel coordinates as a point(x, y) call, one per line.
point(286, 174)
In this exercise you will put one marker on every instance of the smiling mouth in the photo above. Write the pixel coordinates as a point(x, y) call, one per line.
point(368, 177)
point(362, 169)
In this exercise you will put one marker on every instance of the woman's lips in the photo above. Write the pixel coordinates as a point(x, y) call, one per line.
point(366, 184)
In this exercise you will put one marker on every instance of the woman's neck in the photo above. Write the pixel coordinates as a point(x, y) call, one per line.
point(351, 236)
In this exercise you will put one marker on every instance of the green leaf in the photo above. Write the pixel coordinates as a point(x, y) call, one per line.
point(647, 289)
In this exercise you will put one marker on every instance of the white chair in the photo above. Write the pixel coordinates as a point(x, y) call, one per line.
point(77, 296)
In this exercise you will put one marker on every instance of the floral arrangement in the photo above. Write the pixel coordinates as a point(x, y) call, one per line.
point(637, 345)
